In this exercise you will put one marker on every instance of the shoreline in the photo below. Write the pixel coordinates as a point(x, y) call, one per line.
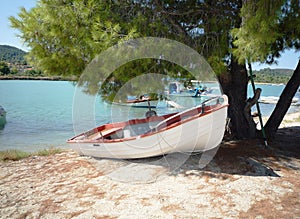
point(291, 119)
point(73, 78)
point(46, 78)
point(268, 83)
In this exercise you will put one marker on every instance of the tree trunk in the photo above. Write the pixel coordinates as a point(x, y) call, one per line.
point(235, 86)
point(283, 103)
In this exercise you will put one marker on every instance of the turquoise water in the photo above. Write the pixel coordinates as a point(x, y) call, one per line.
point(272, 90)
point(39, 113)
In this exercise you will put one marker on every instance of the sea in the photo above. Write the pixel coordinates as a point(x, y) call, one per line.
point(43, 114)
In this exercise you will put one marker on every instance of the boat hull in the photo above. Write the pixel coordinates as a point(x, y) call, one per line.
point(197, 135)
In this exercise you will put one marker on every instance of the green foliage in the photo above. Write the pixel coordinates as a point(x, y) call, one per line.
point(276, 76)
point(4, 69)
point(12, 54)
point(33, 73)
point(66, 35)
point(133, 69)
point(14, 71)
point(203, 25)
point(218, 64)
point(268, 28)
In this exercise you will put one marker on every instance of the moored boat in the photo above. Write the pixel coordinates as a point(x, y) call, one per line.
point(2, 117)
point(141, 102)
point(200, 128)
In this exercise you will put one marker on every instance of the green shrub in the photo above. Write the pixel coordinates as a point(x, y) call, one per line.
point(14, 155)
point(48, 152)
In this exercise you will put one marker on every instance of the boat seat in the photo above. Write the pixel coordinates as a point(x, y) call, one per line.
point(106, 133)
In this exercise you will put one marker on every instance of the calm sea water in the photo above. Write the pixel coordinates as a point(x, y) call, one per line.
point(39, 113)
point(272, 90)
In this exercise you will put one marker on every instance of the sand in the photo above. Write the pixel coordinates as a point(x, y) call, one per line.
point(244, 180)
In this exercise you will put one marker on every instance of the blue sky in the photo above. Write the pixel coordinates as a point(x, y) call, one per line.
point(11, 8)
point(289, 59)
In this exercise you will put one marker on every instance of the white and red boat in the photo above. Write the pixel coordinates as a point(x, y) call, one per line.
point(197, 129)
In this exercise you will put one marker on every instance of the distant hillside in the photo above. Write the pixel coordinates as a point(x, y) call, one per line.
point(268, 75)
point(11, 54)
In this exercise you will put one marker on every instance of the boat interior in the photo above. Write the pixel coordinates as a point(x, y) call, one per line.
point(131, 129)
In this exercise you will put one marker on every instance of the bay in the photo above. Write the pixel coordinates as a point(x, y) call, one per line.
point(40, 113)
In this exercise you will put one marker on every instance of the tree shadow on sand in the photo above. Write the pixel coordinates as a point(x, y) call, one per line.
point(252, 158)
point(246, 157)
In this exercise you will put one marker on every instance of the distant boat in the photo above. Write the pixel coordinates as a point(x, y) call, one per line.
point(176, 89)
point(196, 129)
point(2, 117)
point(198, 89)
point(143, 101)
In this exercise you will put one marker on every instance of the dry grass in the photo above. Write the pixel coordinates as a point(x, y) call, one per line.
point(15, 155)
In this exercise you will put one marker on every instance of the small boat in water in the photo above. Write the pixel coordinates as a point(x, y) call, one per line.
point(141, 102)
point(2, 117)
point(196, 129)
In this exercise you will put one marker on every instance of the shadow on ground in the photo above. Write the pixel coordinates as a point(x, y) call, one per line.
point(253, 158)
point(246, 157)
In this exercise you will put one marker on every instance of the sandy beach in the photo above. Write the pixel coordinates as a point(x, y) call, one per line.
point(289, 120)
point(244, 180)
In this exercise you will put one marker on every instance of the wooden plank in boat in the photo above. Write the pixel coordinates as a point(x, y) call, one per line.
point(105, 133)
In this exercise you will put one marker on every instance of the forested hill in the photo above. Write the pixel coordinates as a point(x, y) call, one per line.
point(11, 54)
point(268, 75)
point(14, 55)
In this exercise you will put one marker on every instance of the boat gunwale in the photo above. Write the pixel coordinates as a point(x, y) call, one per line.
point(151, 132)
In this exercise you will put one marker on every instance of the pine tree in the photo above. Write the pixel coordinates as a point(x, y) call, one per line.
point(268, 28)
point(64, 36)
